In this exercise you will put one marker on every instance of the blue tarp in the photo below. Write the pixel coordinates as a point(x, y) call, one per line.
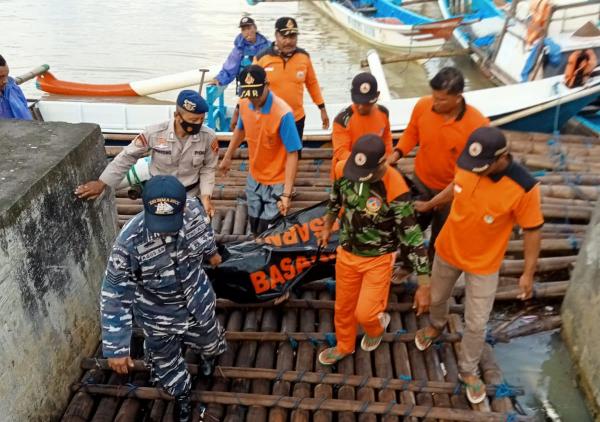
point(552, 52)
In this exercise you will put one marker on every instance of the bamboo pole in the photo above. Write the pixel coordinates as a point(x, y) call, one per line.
point(285, 362)
point(274, 401)
point(246, 354)
point(229, 372)
point(304, 359)
point(400, 357)
point(538, 326)
point(418, 56)
point(107, 407)
point(265, 358)
point(227, 358)
point(81, 405)
point(492, 375)
point(323, 390)
point(362, 366)
point(417, 362)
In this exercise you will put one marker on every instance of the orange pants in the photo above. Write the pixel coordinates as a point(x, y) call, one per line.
point(362, 288)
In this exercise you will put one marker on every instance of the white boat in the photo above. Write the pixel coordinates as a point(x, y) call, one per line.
point(388, 25)
point(531, 106)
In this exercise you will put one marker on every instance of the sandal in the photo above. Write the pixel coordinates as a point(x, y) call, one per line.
point(422, 341)
point(368, 344)
point(331, 356)
point(476, 391)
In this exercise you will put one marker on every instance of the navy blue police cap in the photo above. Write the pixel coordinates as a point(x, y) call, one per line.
point(191, 101)
point(164, 202)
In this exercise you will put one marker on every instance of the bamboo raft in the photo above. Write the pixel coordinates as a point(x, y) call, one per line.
point(270, 371)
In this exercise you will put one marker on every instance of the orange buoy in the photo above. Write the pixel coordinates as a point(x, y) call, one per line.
point(540, 11)
point(48, 83)
point(580, 65)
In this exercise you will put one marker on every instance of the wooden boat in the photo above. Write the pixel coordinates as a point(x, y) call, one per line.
point(386, 24)
point(482, 19)
point(534, 105)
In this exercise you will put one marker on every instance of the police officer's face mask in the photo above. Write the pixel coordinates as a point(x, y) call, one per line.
point(189, 127)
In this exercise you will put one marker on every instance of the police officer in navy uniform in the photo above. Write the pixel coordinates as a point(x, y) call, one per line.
point(183, 147)
point(155, 272)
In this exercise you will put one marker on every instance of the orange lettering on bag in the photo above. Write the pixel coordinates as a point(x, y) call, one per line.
point(276, 277)
point(259, 281)
point(302, 263)
point(303, 231)
point(289, 271)
point(290, 237)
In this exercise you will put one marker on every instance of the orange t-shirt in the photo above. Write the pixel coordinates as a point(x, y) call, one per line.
point(287, 78)
point(483, 214)
point(349, 125)
point(264, 128)
point(440, 142)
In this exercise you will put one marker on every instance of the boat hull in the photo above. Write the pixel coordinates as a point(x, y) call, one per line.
point(410, 37)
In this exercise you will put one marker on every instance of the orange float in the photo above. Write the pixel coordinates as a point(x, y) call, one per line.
point(580, 65)
point(540, 11)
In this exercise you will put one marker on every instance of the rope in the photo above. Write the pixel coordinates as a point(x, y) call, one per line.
point(320, 404)
point(389, 407)
point(300, 376)
point(330, 285)
point(297, 403)
point(293, 342)
point(398, 333)
point(243, 165)
point(330, 339)
point(363, 382)
point(490, 338)
point(131, 388)
point(409, 410)
point(315, 343)
point(279, 376)
point(364, 407)
point(511, 417)
point(277, 400)
point(317, 162)
point(385, 383)
point(457, 389)
point(504, 390)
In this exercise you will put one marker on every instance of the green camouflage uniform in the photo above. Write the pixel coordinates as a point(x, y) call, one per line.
point(370, 226)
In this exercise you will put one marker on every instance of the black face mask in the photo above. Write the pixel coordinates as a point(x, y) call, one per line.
point(190, 128)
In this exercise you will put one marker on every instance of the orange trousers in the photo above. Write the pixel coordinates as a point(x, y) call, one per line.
point(362, 288)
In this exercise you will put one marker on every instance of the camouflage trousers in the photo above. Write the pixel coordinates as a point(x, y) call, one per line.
point(164, 353)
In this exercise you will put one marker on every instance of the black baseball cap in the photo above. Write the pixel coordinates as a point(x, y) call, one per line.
point(364, 89)
point(364, 163)
point(483, 147)
point(252, 81)
point(286, 26)
point(164, 201)
point(247, 21)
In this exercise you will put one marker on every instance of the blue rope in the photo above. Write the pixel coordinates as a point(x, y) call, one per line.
point(330, 285)
point(293, 343)
point(364, 407)
point(511, 417)
point(243, 165)
point(315, 343)
point(389, 407)
point(573, 241)
point(398, 333)
point(409, 410)
point(457, 389)
point(437, 345)
point(504, 390)
point(490, 339)
point(406, 378)
point(318, 162)
point(330, 339)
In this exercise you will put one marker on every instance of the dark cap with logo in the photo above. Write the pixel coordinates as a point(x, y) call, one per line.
point(364, 89)
point(246, 21)
point(164, 202)
point(483, 147)
point(286, 26)
point(191, 101)
point(366, 159)
point(252, 81)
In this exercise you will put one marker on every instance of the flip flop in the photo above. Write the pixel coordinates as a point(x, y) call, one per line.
point(476, 392)
point(422, 341)
point(331, 356)
point(368, 344)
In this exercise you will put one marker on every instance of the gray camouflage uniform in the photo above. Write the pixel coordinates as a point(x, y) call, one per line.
point(161, 279)
point(193, 161)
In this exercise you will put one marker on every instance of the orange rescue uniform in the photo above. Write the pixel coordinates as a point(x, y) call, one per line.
point(287, 78)
point(440, 141)
point(483, 214)
point(349, 125)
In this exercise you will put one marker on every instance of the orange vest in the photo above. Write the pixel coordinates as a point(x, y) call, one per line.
point(266, 151)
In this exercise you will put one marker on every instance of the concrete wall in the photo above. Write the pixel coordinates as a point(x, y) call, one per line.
point(581, 314)
point(53, 251)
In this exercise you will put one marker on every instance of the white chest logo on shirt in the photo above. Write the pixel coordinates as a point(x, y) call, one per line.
point(163, 208)
point(457, 188)
point(300, 74)
point(475, 149)
point(488, 219)
point(269, 69)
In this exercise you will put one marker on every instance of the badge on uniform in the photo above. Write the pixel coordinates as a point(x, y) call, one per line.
point(488, 219)
point(373, 205)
